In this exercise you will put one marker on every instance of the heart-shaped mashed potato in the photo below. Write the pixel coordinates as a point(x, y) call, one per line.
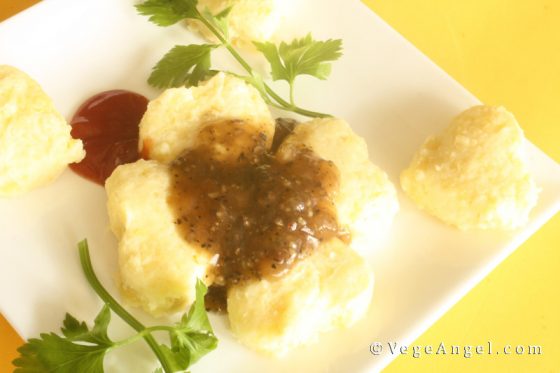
point(474, 174)
point(35, 141)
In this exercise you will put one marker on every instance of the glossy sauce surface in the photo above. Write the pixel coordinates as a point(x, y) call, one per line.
point(258, 213)
point(107, 123)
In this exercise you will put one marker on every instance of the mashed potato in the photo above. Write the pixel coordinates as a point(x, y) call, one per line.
point(173, 120)
point(367, 200)
point(248, 20)
point(330, 289)
point(474, 174)
point(35, 141)
point(158, 268)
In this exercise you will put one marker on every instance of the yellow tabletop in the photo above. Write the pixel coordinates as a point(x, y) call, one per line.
point(508, 53)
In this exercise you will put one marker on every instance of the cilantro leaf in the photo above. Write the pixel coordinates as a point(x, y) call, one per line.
point(183, 65)
point(304, 56)
point(168, 12)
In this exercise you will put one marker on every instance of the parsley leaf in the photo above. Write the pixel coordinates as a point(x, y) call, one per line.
point(81, 349)
point(193, 336)
point(53, 353)
point(180, 359)
point(73, 330)
point(197, 318)
point(303, 56)
point(183, 65)
point(168, 12)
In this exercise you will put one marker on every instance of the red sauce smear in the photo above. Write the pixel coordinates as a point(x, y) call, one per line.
point(107, 123)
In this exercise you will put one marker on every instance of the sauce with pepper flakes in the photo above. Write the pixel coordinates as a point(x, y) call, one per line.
point(258, 214)
point(284, 127)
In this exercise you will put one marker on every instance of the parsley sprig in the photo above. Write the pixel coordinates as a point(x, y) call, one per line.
point(188, 65)
point(81, 349)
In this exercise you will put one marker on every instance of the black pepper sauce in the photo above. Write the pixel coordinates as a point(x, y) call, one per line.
point(258, 213)
point(284, 127)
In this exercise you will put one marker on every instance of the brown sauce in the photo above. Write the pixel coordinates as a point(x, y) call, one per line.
point(107, 123)
point(260, 214)
point(284, 127)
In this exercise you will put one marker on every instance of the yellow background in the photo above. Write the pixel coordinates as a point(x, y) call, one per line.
point(505, 52)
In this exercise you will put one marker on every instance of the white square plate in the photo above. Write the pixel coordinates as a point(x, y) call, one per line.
point(389, 92)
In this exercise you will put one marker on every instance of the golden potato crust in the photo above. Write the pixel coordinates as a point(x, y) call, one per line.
point(158, 268)
point(474, 174)
point(330, 289)
point(35, 141)
point(173, 120)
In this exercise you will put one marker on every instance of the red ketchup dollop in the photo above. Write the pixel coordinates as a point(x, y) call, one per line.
point(107, 123)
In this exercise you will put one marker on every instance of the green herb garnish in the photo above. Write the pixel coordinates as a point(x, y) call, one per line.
point(188, 65)
point(81, 349)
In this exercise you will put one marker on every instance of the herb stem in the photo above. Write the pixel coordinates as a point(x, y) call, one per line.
point(225, 43)
point(283, 103)
point(143, 334)
point(117, 308)
point(298, 110)
point(292, 93)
